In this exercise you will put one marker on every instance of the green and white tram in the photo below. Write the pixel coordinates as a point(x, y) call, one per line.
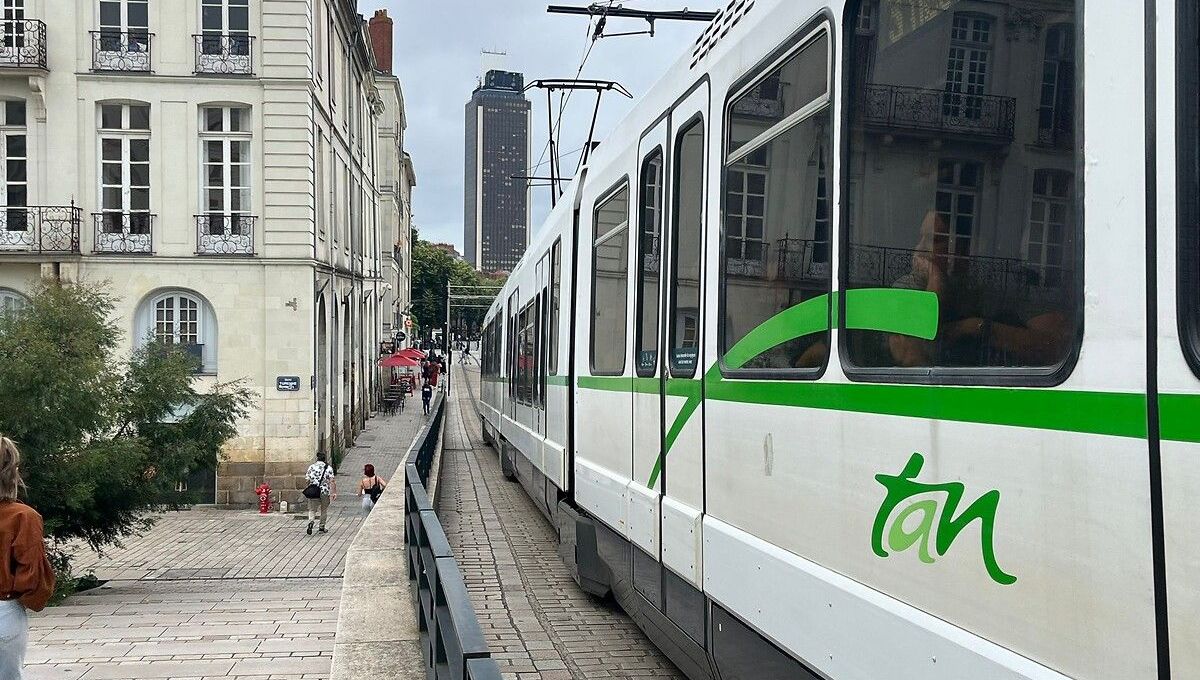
point(867, 346)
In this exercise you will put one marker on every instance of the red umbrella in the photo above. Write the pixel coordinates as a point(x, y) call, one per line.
point(411, 353)
point(398, 361)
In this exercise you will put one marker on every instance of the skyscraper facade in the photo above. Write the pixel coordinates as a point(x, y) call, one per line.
point(496, 214)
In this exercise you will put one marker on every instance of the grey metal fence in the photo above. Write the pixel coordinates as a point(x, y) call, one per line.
point(452, 642)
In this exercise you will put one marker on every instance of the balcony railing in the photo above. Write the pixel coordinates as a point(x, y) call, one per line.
point(124, 233)
point(802, 259)
point(749, 264)
point(224, 54)
point(40, 229)
point(915, 108)
point(23, 43)
point(218, 234)
point(114, 50)
point(998, 277)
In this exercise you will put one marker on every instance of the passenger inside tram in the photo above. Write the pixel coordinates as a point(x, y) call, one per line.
point(977, 327)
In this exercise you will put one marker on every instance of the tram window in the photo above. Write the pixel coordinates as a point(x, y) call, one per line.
point(685, 250)
point(776, 239)
point(555, 287)
point(1188, 169)
point(649, 261)
point(610, 283)
point(961, 177)
point(526, 354)
point(802, 80)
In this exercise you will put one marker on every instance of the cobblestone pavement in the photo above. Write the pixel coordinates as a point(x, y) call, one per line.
point(538, 622)
point(212, 593)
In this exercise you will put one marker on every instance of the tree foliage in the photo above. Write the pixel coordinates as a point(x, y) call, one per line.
point(433, 270)
point(104, 439)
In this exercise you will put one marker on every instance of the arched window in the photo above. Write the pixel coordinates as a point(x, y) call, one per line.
point(182, 318)
point(11, 301)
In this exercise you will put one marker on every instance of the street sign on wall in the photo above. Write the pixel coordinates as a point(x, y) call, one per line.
point(287, 383)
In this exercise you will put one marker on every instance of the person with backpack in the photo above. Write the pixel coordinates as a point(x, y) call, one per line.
point(426, 396)
point(322, 487)
point(370, 487)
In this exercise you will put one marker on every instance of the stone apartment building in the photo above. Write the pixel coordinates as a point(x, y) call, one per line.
point(221, 165)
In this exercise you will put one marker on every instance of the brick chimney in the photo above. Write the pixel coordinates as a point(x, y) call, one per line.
point(380, 28)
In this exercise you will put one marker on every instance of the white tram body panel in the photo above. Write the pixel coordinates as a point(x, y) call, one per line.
point(734, 499)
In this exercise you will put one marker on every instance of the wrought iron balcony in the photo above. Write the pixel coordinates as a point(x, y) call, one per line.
point(913, 108)
point(753, 266)
point(224, 54)
point(23, 43)
point(802, 259)
point(218, 234)
point(879, 266)
point(124, 233)
point(114, 50)
point(40, 229)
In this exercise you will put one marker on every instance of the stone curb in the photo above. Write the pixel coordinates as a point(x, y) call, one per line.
point(377, 634)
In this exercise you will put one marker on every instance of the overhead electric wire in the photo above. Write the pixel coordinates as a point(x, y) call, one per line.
point(564, 100)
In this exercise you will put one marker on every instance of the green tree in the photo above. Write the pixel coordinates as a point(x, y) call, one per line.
point(433, 270)
point(104, 439)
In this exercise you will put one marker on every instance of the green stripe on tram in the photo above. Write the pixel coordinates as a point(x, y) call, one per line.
point(1179, 417)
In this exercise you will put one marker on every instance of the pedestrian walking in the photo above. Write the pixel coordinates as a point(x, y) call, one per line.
point(370, 487)
point(322, 487)
point(26, 579)
point(426, 396)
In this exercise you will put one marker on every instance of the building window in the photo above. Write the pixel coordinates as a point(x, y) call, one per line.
point(745, 214)
point(867, 17)
point(125, 28)
point(610, 282)
point(1056, 103)
point(11, 302)
point(225, 19)
point(967, 66)
point(951, 276)
point(957, 202)
point(686, 240)
point(775, 194)
point(1049, 225)
point(14, 146)
point(182, 319)
point(125, 170)
point(225, 203)
point(649, 264)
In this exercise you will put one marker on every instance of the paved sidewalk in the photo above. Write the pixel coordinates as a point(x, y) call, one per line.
point(212, 593)
point(537, 621)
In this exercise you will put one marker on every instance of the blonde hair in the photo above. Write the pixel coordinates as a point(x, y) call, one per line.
point(10, 473)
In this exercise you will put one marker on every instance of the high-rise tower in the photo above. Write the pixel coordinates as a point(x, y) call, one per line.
point(496, 213)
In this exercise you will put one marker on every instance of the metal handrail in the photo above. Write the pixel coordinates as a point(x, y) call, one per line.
point(225, 234)
point(224, 54)
point(23, 43)
point(123, 233)
point(921, 108)
point(40, 229)
point(116, 50)
point(452, 641)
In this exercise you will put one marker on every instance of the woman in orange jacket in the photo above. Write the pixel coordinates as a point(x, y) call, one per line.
point(26, 579)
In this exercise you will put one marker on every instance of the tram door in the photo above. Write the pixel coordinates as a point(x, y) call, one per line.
point(681, 473)
point(1178, 342)
point(541, 335)
point(645, 489)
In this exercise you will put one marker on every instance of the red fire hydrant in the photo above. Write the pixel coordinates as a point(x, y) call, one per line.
point(264, 498)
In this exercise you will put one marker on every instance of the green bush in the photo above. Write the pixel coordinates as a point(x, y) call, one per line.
point(104, 438)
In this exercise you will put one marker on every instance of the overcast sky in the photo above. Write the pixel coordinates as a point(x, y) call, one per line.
point(437, 57)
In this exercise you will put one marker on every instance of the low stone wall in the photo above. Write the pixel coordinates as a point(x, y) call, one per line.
point(377, 633)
